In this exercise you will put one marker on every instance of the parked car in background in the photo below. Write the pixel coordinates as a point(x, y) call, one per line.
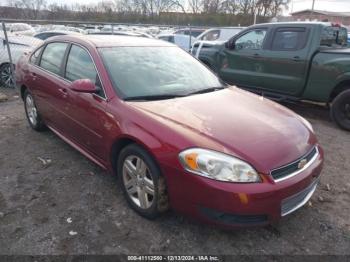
point(183, 41)
point(20, 29)
point(290, 61)
point(125, 33)
point(47, 34)
point(219, 34)
point(195, 32)
point(139, 108)
point(348, 39)
point(204, 46)
point(19, 45)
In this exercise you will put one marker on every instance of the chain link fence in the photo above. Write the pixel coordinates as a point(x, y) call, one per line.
point(22, 36)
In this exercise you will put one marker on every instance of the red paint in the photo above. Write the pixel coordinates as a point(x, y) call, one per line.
point(233, 121)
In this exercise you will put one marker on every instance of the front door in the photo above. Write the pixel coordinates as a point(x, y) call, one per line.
point(242, 65)
point(86, 111)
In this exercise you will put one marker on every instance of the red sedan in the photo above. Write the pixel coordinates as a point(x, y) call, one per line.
point(175, 135)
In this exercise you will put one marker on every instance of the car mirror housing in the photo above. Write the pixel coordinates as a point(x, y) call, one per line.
point(230, 44)
point(84, 86)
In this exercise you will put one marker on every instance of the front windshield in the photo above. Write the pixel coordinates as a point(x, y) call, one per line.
point(156, 71)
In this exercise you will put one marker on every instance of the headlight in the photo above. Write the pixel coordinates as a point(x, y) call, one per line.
point(217, 166)
point(307, 123)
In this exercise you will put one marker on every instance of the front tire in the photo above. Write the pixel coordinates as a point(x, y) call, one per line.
point(32, 113)
point(340, 110)
point(141, 181)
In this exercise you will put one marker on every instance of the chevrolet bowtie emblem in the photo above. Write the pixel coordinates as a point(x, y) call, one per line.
point(302, 163)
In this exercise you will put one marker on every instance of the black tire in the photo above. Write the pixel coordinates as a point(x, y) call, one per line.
point(340, 110)
point(159, 200)
point(6, 78)
point(35, 121)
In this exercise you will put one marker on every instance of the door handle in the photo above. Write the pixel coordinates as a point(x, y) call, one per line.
point(296, 58)
point(256, 55)
point(34, 76)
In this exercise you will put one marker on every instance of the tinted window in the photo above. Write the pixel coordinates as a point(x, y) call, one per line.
point(167, 38)
point(251, 40)
point(289, 39)
point(35, 56)
point(52, 57)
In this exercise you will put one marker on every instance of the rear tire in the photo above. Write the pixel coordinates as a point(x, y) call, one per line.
point(34, 119)
point(141, 181)
point(340, 110)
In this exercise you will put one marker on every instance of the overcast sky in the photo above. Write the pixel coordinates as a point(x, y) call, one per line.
point(296, 5)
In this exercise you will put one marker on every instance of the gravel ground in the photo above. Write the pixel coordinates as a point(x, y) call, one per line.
point(71, 206)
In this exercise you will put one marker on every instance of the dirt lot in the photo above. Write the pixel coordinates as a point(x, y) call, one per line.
point(36, 200)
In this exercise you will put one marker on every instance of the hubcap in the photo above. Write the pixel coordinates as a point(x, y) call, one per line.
point(6, 77)
point(31, 110)
point(138, 181)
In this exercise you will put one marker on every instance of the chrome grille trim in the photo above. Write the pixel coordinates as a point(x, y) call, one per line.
point(296, 201)
point(308, 164)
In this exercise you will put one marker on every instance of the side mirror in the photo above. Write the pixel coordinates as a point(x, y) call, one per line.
point(84, 86)
point(230, 44)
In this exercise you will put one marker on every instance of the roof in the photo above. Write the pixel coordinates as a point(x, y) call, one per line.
point(112, 40)
point(322, 12)
point(294, 23)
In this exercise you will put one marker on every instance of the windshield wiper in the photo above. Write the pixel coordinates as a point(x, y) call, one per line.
point(206, 90)
point(152, 97)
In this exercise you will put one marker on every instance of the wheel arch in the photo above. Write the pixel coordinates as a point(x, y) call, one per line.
point(340, 87)
point(122, 142)
point(22, 90)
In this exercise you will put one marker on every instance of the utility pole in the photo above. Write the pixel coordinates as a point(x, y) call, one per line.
point(312, 9)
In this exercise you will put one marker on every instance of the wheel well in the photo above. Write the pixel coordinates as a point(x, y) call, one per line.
point(23, 89)
point(339, 88)
point(117, 148)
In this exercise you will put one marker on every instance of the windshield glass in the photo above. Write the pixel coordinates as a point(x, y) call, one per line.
point(155, 71)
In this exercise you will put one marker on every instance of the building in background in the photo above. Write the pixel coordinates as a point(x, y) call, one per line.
point(323, 16)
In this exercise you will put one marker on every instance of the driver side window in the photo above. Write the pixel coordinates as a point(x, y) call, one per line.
point(252, 40)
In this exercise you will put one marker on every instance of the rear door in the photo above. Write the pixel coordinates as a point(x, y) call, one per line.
point(284, 69)
point(243, 64)
point(86, 111)
point(46, 83)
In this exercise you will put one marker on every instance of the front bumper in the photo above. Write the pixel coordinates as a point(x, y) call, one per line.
point(234, 204)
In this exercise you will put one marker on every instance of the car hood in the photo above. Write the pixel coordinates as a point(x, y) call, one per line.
point(253, 128)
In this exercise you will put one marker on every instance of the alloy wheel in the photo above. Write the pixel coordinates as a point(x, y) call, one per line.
point(138, 182)
point(6, 76)
point(31, 110)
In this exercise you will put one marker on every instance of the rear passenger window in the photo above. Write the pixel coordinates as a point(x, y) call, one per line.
point(52, 57)
point(289, 39)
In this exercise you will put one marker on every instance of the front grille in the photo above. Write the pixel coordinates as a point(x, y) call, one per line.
point(293, 168)
point(296, 201)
